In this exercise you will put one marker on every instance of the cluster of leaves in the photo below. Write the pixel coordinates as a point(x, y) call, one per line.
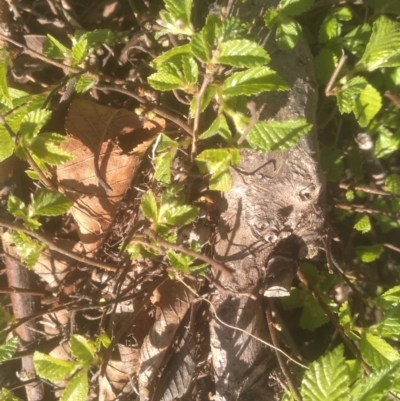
point(332, 377)
point(44, 203)
point(86, 353)
point(83, 44)
point(220, 45)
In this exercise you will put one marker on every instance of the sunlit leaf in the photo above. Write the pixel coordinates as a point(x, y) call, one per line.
point(78, 387)
point(252, 81)
point(50, 203)
point(327, 378)
point(53, 369)
point(363, 224)
point(81, 349)
point(148, 205)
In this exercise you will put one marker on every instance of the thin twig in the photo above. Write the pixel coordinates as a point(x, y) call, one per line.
point(16, 290)
point(366, 189)
point(199, 97)
point(238, 328)
point(282, 364)
point(362, 209)
point(392, 247)
point(328, 89)
point(169, 245)
point(157, 110)
point(251, 106)
point(65, 67)
point(51, 245)
point(354, 350)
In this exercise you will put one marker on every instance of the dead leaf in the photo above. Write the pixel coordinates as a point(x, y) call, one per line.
point(92, 129)
point(175, 300)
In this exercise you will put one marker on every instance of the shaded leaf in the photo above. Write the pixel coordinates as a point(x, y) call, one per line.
point(16, 207)
point(4, 91)
point(52, 48)
point(287, 33)
point(389, 326)
point(295, 7)
point(369, 254)
point(84, 83)
point(392, 184)
point(32, 123)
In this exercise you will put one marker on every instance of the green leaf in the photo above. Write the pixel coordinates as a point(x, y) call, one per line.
point(363, 224)
point(231, 28)
point(180, 10)
point(32, 123)
point(389, 298)
point(375, 386)
point(203, 42)
point(103, 339)
point(367, 105)
point(271, 17)
point(4, 91)
point(331, 28)
point(148, 205)
point(177, 215)
point(6, 143)
point(295, 7)
point(369, 254)
point(208, 95)
point(242, 53)
point(190, 70)
point(386, 143)
point(162, 167)
point(166, 79)
point(173, 55)
point(7, 395)
point(179, 261)
point(376, 351)
point(44, 147)
point(350, 195)
point(97, 37)
point(133, 250)
point(327, 378)
point(356, 40)
point(16, 207)
point(349, 92)
point(78, 387)
point(389, 326)
point(53, 369)
point(8, 349)
point(79, 52)
point(385, 7)
point(392, 184)
point(269, 136)
point(84, 83)
point(383, 47)
point(218, 126)
point(325, 64)
point(50, 203)
point(81, 349)
point(217, 162)
point(252, 81)
point(52, 48)
point(29, 249)
point(287, 32)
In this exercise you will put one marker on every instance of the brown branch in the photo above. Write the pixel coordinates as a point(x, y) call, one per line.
point(37, 55)
point(251, 106)
point(157, 110)
point(366, 189)
point(362, 209)
point(169, 245)
point(51, 245)
point(282, 363)
point(328, 89)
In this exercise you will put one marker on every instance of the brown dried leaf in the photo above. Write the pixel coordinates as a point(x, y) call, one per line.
point(91, 129)
point(175, 300)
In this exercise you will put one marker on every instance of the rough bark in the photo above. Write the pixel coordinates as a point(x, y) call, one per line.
point(270, 218)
